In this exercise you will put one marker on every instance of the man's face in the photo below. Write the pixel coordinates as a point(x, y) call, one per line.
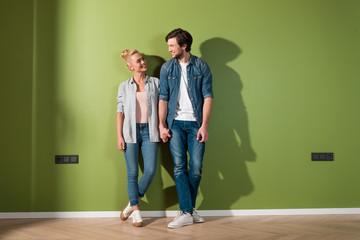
point(175, 49)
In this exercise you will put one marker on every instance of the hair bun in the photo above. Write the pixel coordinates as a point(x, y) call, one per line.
point(124, 53)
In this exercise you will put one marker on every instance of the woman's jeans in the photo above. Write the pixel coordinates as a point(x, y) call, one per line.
point(187, 181)
point(149, 152)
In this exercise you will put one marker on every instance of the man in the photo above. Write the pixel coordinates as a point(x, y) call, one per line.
point(185, 103)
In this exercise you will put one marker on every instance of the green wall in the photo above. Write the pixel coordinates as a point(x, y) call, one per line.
point(286, 83)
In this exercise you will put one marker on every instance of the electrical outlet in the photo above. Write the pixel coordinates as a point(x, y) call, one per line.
point(66, 159)
point(322, 156)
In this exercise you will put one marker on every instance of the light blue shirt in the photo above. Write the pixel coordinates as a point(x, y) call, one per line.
point(126, 103)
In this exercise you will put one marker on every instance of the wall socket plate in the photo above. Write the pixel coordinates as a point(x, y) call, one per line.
point(66, 159)
point(322, 156)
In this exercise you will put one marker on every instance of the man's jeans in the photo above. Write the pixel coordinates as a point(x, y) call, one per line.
point(149, 152)
point(187, 181)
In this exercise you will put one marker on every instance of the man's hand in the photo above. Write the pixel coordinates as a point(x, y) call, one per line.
point(202, 135)
point(164, 133)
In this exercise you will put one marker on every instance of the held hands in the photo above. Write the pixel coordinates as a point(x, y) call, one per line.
point(121, 144)
point(164, 134)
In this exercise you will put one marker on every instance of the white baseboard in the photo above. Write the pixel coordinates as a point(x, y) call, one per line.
point(225, 213)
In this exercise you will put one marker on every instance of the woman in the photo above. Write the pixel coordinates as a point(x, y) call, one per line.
point(137, 128)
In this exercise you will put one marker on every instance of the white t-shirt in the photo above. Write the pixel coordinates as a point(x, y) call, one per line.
point(184, 108)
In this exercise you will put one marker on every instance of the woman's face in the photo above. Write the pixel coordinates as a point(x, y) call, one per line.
point(137, 63)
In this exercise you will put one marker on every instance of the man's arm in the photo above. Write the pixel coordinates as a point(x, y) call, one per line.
point(163, 105)
point(208, 96)
point(164, 131)
point(203, 131)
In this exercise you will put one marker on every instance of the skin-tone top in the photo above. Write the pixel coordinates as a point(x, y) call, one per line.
point(141, 107)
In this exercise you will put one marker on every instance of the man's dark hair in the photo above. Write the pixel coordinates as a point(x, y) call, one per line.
point(182, 37)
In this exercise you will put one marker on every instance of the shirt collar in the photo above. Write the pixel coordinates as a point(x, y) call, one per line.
point(148, 79)
point(191, 60)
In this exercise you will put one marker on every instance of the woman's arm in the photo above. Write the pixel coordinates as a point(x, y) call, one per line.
point(119, 125)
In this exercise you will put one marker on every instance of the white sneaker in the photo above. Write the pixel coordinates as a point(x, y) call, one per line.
point(137, 220)
point(181, 219)
point(126, 212)
point(197, 218)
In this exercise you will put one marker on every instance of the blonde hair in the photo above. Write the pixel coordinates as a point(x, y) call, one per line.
point(126, 54)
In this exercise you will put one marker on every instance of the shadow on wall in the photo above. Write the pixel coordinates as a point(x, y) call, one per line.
point(225, 175)
point(47, 111)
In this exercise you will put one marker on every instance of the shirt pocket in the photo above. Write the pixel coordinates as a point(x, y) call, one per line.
point(153, 95)
point(197, 78)
point(172, 80)
point(153, 98)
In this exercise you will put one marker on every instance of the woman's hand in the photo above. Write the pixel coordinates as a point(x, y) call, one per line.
point(121, 144)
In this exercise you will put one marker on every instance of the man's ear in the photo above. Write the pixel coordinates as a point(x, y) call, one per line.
point(184, 46)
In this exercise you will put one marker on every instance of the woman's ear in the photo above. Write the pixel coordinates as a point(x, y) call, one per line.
point(129, 67)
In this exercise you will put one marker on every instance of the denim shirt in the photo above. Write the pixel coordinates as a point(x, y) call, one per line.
point(126, 103)
point(199, 86)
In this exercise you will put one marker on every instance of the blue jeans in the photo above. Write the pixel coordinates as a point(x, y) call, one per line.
point(187, 181)
point(149, 152)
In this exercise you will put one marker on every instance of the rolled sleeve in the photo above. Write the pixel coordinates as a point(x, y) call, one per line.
point(207, 91)
point(163, 97)
point(164, 86)
point(120, 100)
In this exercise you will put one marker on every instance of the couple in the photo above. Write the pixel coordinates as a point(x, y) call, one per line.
point(176, 109)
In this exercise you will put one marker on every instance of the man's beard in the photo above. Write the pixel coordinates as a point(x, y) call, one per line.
point(179, 56)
